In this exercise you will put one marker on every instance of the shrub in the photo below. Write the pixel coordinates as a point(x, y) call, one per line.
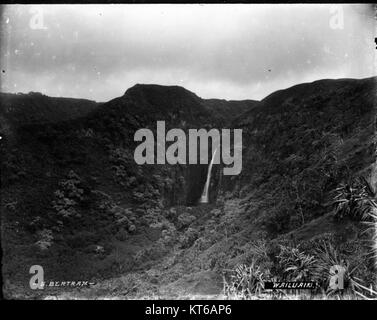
point(184, 220)
point(188, 238)
point(156, 251)
point(46, 239)
point(168, 234)
point(68, 196)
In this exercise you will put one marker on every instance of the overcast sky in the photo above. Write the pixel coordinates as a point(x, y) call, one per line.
point(217, 51)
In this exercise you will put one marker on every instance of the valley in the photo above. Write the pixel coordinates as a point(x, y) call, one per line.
point(75, 201)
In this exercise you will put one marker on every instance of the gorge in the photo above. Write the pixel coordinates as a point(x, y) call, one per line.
point(70, 185)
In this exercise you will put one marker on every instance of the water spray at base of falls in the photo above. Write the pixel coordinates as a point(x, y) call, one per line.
point(204, 197)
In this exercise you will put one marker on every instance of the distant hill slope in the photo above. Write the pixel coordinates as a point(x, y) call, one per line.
point(32, 108)
point(224, 111)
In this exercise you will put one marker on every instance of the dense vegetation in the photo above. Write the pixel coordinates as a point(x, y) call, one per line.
point(75, 202)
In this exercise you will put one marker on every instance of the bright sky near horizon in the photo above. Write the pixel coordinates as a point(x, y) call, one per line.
point(225, 51)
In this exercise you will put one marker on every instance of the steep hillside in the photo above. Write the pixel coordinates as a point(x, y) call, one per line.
point(73, 185)
point(300, 143)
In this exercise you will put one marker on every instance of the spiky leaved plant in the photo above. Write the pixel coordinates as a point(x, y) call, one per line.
point(358, 200)
point(355, 200)
point(328, 256)
point(296, 265)
point(246, 282)
point(372, 229)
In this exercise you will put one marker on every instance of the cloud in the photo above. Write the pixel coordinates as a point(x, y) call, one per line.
point(224, 51)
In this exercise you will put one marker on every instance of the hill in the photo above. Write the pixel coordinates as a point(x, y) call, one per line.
point(73, 195)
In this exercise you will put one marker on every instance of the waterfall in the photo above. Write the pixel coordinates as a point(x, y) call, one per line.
point(204, 197)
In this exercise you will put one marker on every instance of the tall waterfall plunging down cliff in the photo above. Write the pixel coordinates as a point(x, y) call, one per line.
point(204, 197)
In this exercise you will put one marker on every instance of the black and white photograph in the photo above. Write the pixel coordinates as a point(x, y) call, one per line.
point(188, 152)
